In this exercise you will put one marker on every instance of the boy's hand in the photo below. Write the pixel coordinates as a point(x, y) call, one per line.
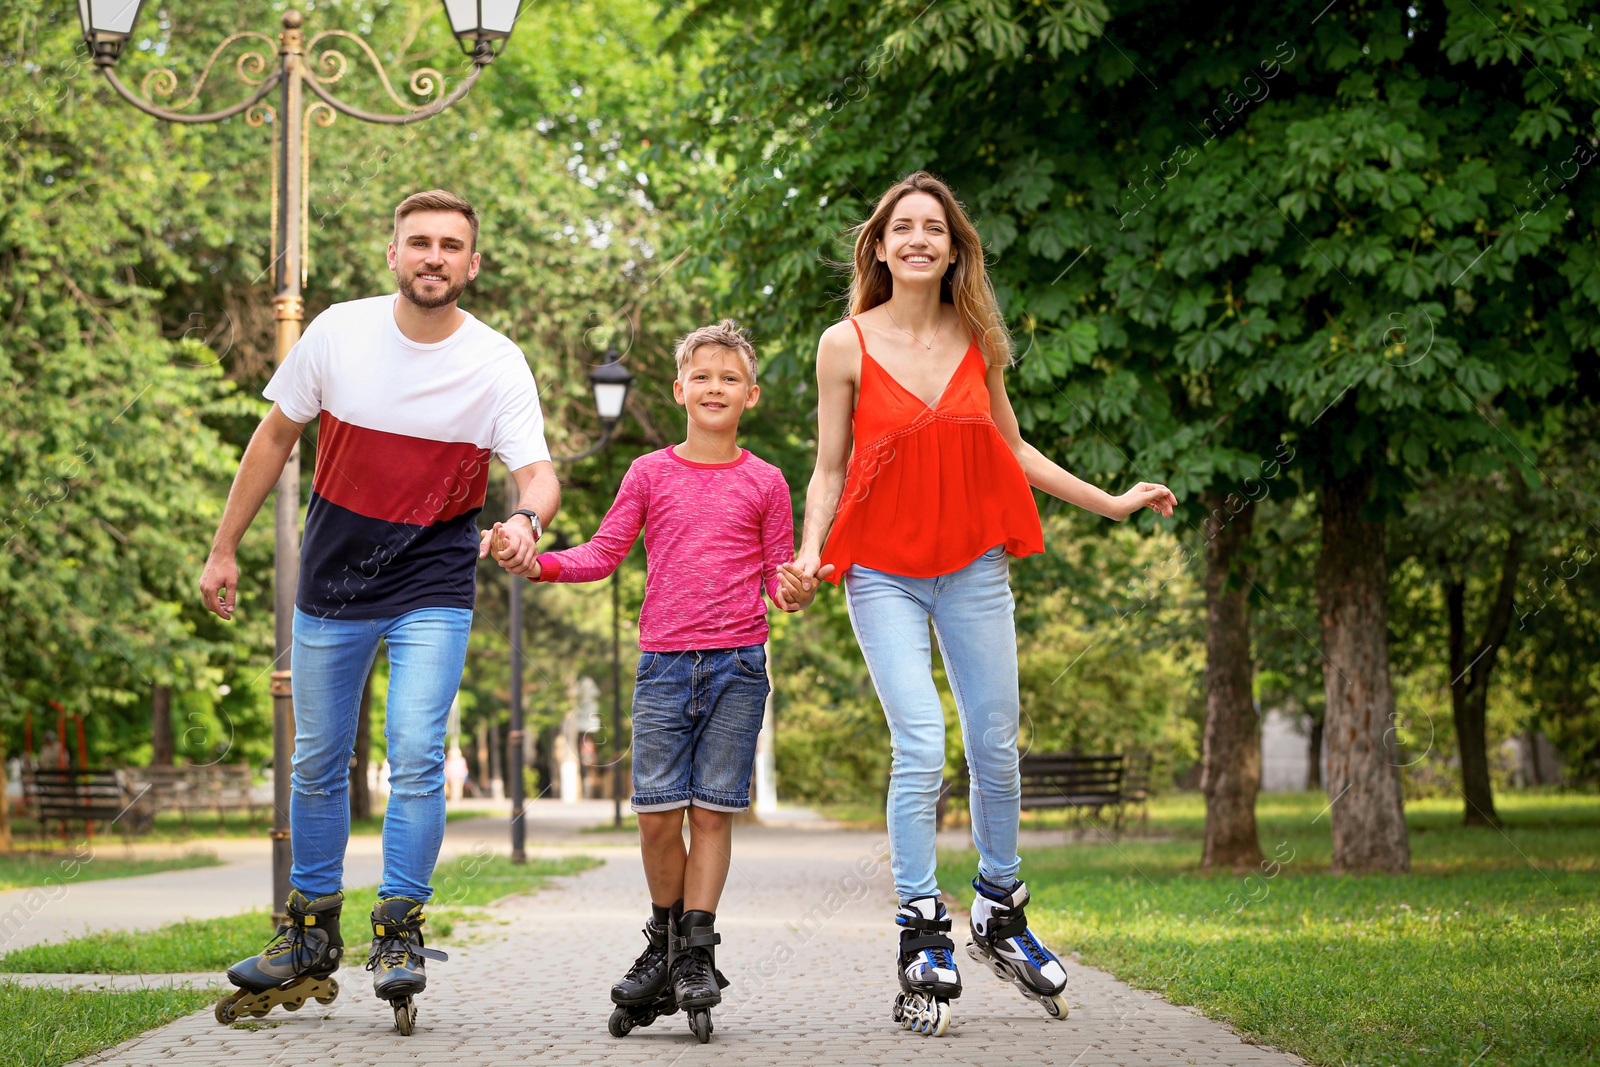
point(798, 587)
point(513, 547)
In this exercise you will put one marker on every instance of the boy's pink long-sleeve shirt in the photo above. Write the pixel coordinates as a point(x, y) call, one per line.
point(714, 537)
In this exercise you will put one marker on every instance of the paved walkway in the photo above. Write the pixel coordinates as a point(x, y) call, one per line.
point(807, 943)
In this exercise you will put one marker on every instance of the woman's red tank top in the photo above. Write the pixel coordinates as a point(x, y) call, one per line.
point(929, 488)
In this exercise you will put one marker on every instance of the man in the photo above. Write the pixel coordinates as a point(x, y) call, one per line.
point(412, 396)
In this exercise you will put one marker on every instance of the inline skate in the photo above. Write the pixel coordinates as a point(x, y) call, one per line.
point(396, 959)
point(929, 980)
point(296, 965)
point(1002, 942)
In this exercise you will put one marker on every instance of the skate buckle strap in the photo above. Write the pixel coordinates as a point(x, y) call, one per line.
point(917, 944)
point(916, 922)
point(1014, 924)
point(698, 937)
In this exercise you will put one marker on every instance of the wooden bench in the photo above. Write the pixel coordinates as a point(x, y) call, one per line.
point(1087, 784)
point(96, 794)
point(218, 788)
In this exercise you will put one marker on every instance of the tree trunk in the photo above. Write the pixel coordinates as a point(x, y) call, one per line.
point(1232, 746)
point(1469, 685)
point(161, 748)
point(1367, 811)
point(360, 795)
point(1314, 774)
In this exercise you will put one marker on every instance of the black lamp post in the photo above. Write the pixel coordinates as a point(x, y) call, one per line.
point(610, 383)
point(107, 26)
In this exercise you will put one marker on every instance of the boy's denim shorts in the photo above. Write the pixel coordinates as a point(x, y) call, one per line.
point(696, 716)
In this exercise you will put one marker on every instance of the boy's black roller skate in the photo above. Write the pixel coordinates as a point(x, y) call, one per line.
point(697, 985)
point(645, 992)
point(929, 980)
point(297, 965)
point(396, 961)
point(1002, 942)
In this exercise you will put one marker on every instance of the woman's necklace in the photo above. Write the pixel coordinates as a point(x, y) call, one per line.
point(914, 337)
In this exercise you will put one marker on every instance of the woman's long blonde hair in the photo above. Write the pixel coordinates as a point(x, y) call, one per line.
point(965, 283)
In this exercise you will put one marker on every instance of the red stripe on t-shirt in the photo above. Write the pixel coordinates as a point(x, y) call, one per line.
point(396, 478)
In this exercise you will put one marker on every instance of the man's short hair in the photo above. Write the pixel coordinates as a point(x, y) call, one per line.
point(436, 200)
point(725, 334)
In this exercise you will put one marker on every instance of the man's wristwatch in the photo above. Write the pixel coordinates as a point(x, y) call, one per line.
point(538, 527)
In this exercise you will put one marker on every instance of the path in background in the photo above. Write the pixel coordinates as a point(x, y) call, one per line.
point(32, 916)
point(808, 943)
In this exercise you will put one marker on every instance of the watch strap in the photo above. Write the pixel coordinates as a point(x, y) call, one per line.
point(533, 517)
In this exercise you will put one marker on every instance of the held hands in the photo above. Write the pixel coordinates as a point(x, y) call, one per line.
point(798, 581)
point(513, 546)
point(1157, 498)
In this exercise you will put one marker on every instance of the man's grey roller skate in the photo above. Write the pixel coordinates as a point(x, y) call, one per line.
point(645, 992)
point(297, 965)
point(396, 960)
point(697, 985)
point(1002, 942)
point(929, 980)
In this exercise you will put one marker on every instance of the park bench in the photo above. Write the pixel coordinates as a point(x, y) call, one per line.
point(1086, 785)
point(218, 788)
point(88, 796)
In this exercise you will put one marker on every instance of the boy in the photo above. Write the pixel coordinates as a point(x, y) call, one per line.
point(717, 525)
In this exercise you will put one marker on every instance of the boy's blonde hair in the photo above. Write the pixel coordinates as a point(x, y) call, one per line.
point(725, 334)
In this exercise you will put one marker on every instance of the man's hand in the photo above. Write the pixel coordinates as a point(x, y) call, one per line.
point(1147, 495)
point(219, 584)
point(513, 546)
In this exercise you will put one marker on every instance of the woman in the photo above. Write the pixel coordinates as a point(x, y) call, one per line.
point(921, 491)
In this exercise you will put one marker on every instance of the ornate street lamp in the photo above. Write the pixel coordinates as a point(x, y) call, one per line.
point(107, 26)
point(479, 22)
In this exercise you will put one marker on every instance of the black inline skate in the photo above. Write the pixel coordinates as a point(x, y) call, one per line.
point(1002, 942)
point(396, 960)
point(645, 992)
point(697, 985)
point(297, 964)
point(929, 980)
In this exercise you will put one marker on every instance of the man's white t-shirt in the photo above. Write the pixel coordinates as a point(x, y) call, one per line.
point(405, 432)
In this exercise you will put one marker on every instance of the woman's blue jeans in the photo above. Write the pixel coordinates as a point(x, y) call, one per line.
point(427, 651)
point(971, 611)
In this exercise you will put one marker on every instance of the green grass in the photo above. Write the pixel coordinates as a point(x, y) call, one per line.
point(854, 814)
point(461, 887)
point(47, 1027)
point(51, 867)
point(1489, 952)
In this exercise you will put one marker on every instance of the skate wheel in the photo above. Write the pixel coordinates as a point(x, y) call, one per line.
point(620, 1024)
point(1056, 1006)
point(292, 1005)
point(405, 1016)
point(224, 1010)
point(700, 1023)
point(332, 995)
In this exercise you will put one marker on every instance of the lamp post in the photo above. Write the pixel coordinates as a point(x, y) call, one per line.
point(609, 382)
point(107, 24)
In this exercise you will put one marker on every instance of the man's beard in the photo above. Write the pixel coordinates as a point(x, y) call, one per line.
point(408, 290)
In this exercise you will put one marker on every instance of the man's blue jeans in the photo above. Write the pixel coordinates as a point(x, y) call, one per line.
point(427, 651)
point(971, 611)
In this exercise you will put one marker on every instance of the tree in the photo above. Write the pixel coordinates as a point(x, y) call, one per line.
point(1287, 216)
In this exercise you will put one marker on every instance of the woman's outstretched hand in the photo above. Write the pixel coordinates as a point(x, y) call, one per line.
point(1157, 498)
